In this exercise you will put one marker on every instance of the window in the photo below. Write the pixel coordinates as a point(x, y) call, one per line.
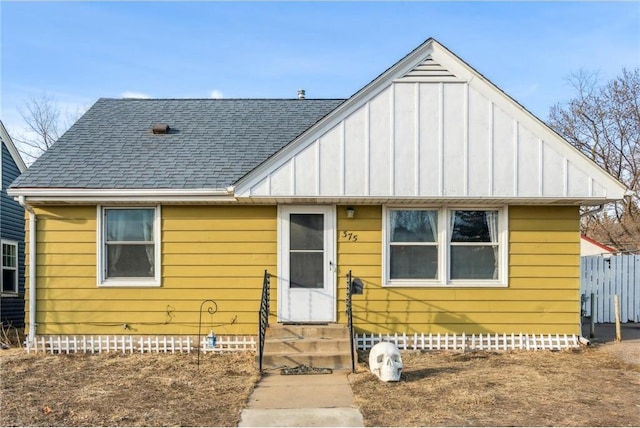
point(9, 267)
point(306, 250)
point(437, 247)
point(129, 246)
point(413, 244)
point(474, 245)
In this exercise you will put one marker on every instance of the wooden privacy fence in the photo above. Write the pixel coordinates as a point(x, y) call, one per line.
point(605, 277)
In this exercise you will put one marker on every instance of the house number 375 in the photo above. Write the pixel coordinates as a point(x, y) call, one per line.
point(349, 235)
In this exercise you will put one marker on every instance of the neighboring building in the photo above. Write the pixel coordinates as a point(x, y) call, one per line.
point(12, 236)
point(457, 208)
point(590, 247)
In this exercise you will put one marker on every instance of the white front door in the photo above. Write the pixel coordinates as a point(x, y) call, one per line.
point(306, 264)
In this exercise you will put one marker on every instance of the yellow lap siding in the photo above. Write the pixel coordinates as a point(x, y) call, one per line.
point(138, 296)
point(218, 248)
point(523, 260)
point(545, 248)
point(543, 224)
point(221, 253)
point(541, 271)
point(438, 295)
point(538, 237)
point(160, 305)
point(197, 236)
point(179, 260)
point(421, 307)
point(217, 253)
point(533, 283)
point(464, 326)
point(542, 294)
point(209, 271)
point(479, 319)
point(65, 236)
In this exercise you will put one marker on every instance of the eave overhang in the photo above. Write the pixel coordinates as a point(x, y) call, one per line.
point(129, 196)
point(39, 196)
point(421, 201)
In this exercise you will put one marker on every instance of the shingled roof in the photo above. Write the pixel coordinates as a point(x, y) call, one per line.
point(212, 143)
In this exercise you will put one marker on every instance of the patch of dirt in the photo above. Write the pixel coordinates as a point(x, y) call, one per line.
point(113, 389)
point(628, 351)
point(582, 387)
point(305, 370)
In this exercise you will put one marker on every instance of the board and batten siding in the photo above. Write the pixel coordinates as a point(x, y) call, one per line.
point(446, 139)
point(542, 296)
point(12, 228)
point(217, 253)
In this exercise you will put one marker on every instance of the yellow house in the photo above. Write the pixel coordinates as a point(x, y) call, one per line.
point(456, 208)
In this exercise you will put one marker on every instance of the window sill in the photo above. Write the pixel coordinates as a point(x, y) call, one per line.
point(9, 294)
point(471, 284)
point(128, 283)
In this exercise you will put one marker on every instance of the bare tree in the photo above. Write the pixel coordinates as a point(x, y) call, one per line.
point(45, 123)
point(603, 122)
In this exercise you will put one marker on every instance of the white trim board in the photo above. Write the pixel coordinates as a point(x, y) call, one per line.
point(15, 154)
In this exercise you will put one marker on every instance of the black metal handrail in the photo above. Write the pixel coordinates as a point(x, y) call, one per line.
point(263, 316)
point(350, 322)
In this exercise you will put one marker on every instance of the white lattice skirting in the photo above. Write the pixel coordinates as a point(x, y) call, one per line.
point(142, 344)
point(474, 342)
point(405, 342)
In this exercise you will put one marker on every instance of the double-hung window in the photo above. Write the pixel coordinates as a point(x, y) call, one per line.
point(129, 249)
point(413, 244)
point(445, 247)
point(474, 245)
point(9, 267)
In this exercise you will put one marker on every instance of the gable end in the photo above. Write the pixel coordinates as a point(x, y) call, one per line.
point(431, 128)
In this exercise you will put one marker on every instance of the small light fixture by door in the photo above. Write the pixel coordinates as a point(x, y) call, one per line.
point(350, 212)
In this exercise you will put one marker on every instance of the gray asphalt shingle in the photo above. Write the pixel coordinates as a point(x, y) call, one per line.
point(212, 143)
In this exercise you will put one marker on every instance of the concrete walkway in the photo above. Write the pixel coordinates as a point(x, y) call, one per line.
point(311, 400)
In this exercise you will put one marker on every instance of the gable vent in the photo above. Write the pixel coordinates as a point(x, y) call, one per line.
point(160, 128)
point(429, 70)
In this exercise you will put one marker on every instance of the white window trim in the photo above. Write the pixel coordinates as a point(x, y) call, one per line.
point(444, 249)
point(101, 256)
point(16, 269)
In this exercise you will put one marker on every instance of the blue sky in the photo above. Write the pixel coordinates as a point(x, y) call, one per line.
point(77, 52)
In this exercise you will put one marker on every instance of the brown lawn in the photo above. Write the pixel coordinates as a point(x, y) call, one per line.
point(124, 390)
point(587, 387)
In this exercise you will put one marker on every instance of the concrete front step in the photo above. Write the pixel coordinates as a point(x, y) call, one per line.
point(321, 346)
point(300, 331)
point(317, 359)
point(306, 345)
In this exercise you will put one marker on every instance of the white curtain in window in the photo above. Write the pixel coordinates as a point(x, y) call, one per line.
point(432, 216)
point(452, 221)
point(129, 226)
point(147, 228)
point(412, 220)
point(492, 224)
point(116, 229)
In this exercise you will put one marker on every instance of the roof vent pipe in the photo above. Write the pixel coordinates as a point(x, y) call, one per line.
point(301, 94)
point(160, 128)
